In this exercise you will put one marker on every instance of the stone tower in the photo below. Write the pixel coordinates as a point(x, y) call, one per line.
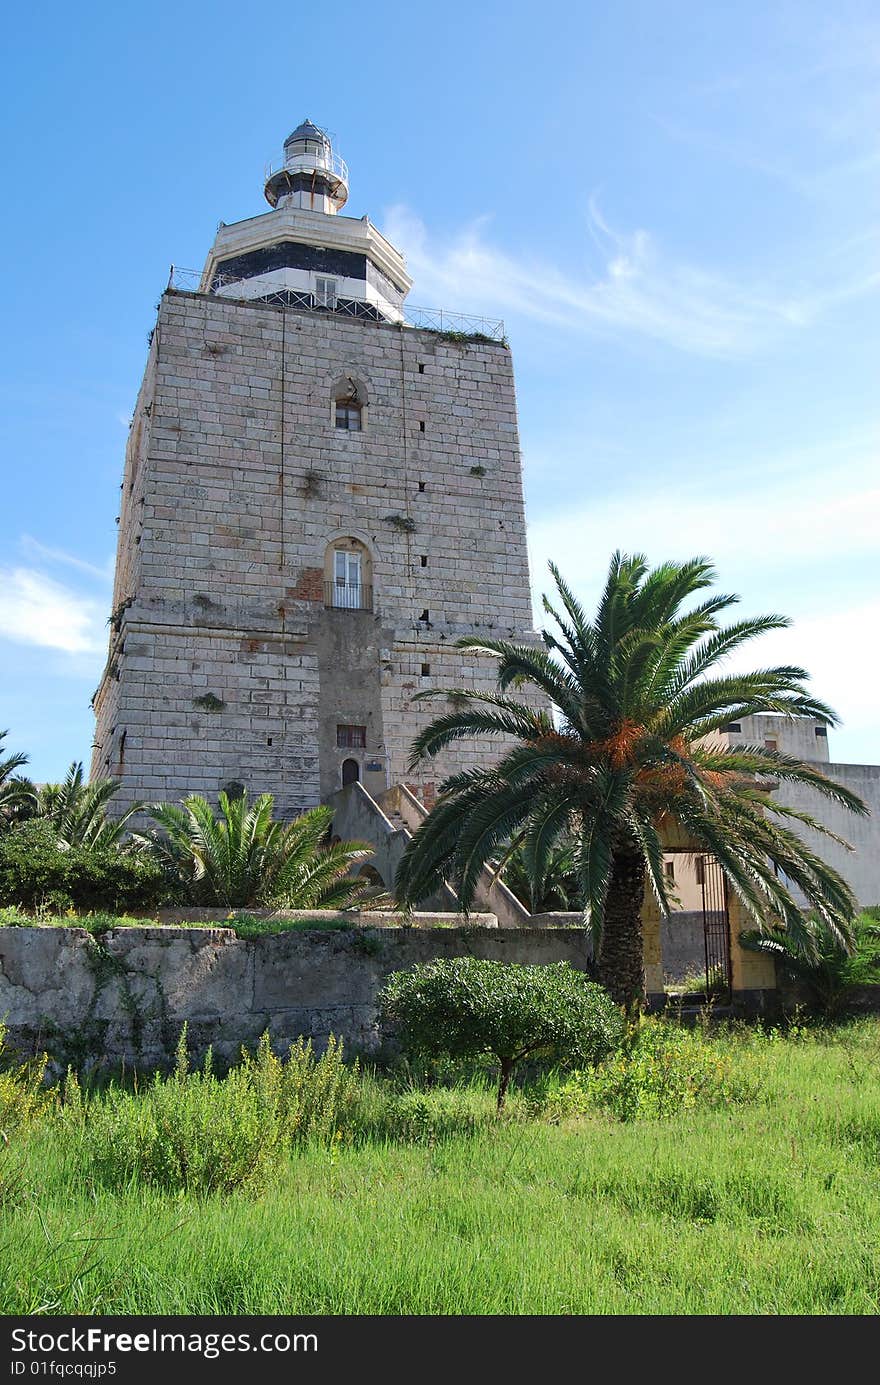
point(319, 498)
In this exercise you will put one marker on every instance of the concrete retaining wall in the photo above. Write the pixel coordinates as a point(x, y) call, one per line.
point(124, 997)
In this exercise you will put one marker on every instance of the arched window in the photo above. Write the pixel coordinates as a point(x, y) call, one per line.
point(348, 575)
point(349, 405)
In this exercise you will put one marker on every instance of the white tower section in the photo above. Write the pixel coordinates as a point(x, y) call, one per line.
point(302, 253)
point(311, 176)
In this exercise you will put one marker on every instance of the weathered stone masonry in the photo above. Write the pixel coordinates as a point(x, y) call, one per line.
point(230, 662)
point(125, 997)
point(236, 484)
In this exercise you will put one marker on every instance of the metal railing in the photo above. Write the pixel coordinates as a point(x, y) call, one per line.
point(431, 319)
point(320, 161)
point(348, 596)
point(454, 324)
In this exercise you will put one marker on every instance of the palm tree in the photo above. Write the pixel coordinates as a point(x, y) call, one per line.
point(78, 811)
point(242, 857)
point(17, 793)
point(633, 751)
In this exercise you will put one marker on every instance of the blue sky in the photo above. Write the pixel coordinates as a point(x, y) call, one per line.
point(674, 206)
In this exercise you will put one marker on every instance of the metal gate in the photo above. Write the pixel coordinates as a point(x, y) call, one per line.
point(716, 927)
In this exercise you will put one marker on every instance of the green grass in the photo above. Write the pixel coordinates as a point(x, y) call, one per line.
point(249, 926)
point(95, 923)
point(772, 1206)
point(244, 925)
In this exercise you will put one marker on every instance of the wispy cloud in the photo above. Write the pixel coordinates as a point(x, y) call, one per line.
point(637, 289)
point(37, 610)
point(32, 548)
point(763, 525)
point(810, 178)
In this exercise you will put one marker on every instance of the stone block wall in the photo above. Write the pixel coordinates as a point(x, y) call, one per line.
point(126, 996)
point(237, 484)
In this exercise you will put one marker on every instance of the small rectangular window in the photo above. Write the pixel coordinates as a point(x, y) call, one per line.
point(733, 729)
point(348, 416)
point(700, 870)
point(426, 670)
point(351, 737)
point(669, 870)
point(421, 425)
point(424, 562)
point(822, 731)
point(770, 743)
point(421, 485)
point(325, 292)
point(421, 368)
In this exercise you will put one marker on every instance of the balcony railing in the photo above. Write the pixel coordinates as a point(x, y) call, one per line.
point(459, 325)
point(322, 159)
point(348, 596)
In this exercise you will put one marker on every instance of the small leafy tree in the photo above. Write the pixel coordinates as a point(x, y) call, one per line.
point(241, 857)
point(466, 1008)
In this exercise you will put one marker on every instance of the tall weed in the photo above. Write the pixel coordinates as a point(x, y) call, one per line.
point(194, 1132)
point(23, 1096)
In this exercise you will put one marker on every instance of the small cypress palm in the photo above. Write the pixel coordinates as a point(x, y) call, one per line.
point(543, 885)
point(78, 811)
point(242, 858)
point(17, 793)
point(631, 751)
point(833, 969)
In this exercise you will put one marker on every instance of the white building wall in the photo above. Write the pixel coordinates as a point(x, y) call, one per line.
point(800, 736)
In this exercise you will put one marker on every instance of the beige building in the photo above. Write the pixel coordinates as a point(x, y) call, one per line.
point(806, 739)
point(319, 498)
point(809, 740)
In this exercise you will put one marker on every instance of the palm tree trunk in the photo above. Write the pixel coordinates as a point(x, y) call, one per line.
point(621, 961)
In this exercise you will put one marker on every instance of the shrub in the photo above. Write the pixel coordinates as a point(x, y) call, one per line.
point(35, 873)
point(466, 1007)
point(95, 923)
point(249, 926)
point(194, 1132)
point(661, 1071)
point(828, 974)
point(240, 857)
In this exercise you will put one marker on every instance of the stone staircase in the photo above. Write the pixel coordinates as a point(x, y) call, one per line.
point(387, 822)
